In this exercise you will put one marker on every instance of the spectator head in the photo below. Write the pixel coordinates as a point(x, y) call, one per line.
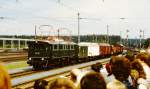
point(136, 65)
point(74, 75)
point(92, 80)
point(61, 83)
point(96, 67)
point(5, 82)
point(145, 57)
point(116, 85)
point(148, 60)
point(130, 57)
point(108, 69)
point(142, 56)
point(100, 65)
point(40, 84)
point(142, 51)
point(120, 68)
point(148, 50)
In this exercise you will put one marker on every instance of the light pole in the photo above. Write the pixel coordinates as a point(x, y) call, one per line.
point(127, 37)
point(107, 33)
point(143, 39)
point(121, 37)
point(35, 34)
point(78, 27)
point(140, 38)
point(123, 41)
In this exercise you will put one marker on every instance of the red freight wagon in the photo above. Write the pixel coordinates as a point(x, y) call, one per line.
point(105, 49)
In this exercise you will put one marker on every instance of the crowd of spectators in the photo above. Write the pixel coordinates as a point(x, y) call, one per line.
point(128, 71)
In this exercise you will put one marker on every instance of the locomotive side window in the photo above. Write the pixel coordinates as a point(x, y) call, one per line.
point(72, 47)
point(31, 46)
point(67, 47)
point(64, 47)
point(55, 47)
point(38, 47)
point(46, 48)
point(60, 46)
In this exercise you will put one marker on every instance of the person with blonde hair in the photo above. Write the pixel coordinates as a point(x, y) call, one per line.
point(5, 82)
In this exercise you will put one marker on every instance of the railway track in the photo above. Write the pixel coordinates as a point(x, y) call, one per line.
point(20, 74)
point(47, 75)
point(11, 53)
point(10, 58)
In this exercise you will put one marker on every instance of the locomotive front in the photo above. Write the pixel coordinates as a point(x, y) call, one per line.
point(38, 54)
point(46, 54)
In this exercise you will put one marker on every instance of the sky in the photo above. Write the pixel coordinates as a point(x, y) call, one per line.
point(19, 17)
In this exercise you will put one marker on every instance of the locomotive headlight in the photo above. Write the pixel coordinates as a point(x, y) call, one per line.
point(42, 59)
point(30, 59)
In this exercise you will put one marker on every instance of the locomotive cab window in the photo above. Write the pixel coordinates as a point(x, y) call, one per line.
point(38, 47)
